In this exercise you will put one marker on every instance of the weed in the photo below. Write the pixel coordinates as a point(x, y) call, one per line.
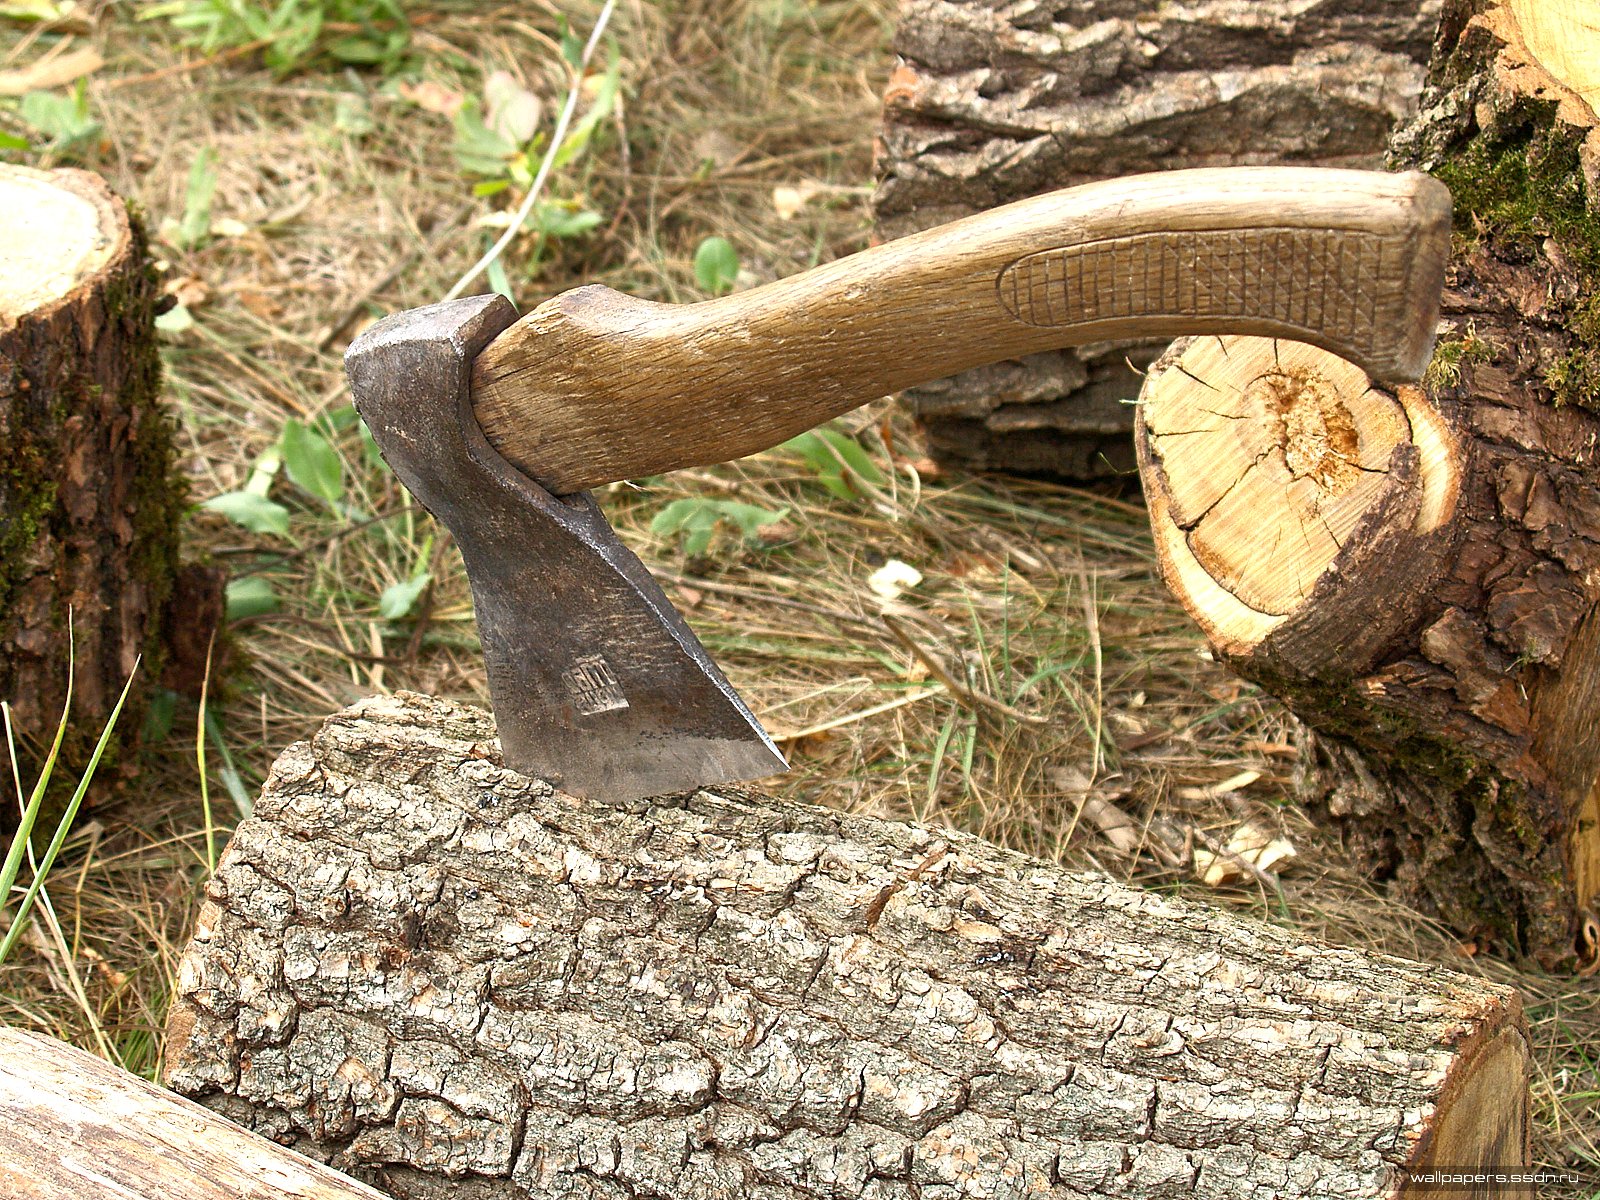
point(840, 464)
point(293, 34)
point(64, 120)
point(1444, 370)
point(716, 265)
point(698, 518)
point(20, 840)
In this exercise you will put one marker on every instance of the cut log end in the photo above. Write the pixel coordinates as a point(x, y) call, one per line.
point(992, 102)
point(1267, 463)
point(59, 229)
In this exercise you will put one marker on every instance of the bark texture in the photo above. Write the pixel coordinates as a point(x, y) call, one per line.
point(449, 979)
point(89, 502)
point(994, 101)
point(75, 1126)
point(1447, 653)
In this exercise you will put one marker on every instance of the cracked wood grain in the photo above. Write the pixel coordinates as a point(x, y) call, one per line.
point(452, 981)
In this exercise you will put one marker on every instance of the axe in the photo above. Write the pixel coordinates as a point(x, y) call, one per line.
point(499, 426)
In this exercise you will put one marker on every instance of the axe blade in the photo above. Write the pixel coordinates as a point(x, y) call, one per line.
point(598, 684)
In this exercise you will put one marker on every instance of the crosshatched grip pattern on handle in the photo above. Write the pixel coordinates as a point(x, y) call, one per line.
point(594, 386)
point(1317, 279)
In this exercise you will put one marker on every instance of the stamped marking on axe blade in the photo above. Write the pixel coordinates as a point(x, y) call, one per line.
point(592, 686)
point(553, 586)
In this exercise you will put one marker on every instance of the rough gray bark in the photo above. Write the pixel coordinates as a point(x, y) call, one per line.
point(72, 1127)
point(453, 981)
point(992, 102)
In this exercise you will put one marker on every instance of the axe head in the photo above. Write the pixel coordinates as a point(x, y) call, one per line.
point(598, 685)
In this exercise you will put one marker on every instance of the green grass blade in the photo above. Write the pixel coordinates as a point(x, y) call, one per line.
point(65, 824)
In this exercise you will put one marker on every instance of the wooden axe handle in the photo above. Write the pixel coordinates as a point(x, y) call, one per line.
point(594, 386)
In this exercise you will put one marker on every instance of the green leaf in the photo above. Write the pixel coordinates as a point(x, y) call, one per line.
point(256, 513)
point(605, 99)
point(352, 115)
point(716, 265)
point(696, 518)
point(835, 457)
point(479, 149)
point(65, 120)
point(499, 281)
point(10, 141)
point(398, 599)
point(571, 43)
point(510, 109)
point(337, 420)
point(23, 11)
point(195, 227)
point(560, 219)
point(158, 717)
point(251, 596)
point(312, 462)
point(264, 470)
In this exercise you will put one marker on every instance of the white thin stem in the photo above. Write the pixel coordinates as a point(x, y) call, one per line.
point(545, 164)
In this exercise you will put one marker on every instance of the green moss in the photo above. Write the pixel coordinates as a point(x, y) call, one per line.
point(1444, 371)
point(1518, 186)
point(161, 496)
point(29, 498)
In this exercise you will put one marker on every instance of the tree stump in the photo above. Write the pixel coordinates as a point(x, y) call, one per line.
point(448, 979)
point(89, 503)
point(991, 103)
point(74, 1126)
point(1417, 575)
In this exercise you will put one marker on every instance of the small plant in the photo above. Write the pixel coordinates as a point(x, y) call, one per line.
point(838, 459)
point(1450, 355)
point(697, 519)
point(312, 464)
point(502, 145)
point(19, 848)
point(61, 119)
point(716, 265)
point(293, 34)
point(195, 227)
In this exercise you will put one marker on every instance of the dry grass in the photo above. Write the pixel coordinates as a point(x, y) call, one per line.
point(1078, 680)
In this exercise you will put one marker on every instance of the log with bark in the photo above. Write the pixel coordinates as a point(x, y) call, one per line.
point(1417, 574)
point(993, 102)
point(89, 500)
point(451, 980)
point(74, 1126)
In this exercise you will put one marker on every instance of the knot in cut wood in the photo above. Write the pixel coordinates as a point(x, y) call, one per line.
point(1316, 431)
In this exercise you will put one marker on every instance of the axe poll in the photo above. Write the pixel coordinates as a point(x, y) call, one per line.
point(499, 426)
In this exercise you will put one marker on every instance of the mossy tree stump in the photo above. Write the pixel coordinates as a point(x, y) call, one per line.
point(453, 981)
point(993, 102)
point(1417, 573)
point(89, 505)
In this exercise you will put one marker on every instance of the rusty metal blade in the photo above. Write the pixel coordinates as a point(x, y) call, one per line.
point(598, 684)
